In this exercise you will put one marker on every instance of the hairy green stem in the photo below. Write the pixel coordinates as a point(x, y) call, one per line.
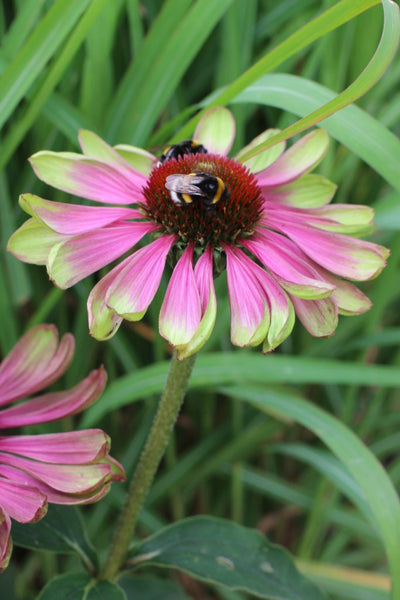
point(157, 441)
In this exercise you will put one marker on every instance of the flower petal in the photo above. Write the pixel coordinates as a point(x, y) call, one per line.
point(134, 286)
point(261, 161)
point(74, 219)
point(87, 177)
point(55, 405)
point(319, 317)
point(180, 312)
point(80, 256)
point(103, 321)
point(94, 147)
point(36, 361)
point(72, 447)
point(249, 309)
point(203, 273)
point(338, 253)
point(303, 156)
point(23, 503)
point(286, 261)
point(216, 130)
point(71, 479)
point(5, 540)
point(309, 191)
point(33, 241)
point(138, 158)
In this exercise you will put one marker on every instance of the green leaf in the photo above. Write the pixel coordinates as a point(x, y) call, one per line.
point(355, 456)
point(80, 586)
point(329, 20)
point(28, 64)
point(224, 553)
point(150, 588)
point(371, 74)
point(61, 530)
point(215, 369)
point(351, 126)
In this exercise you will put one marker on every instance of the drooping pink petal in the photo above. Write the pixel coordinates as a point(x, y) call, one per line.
point(303, 156)
point(74, 219)
point(5, 539)
point(94, 147)
point(216, 130)
point(319, 317)
point(203, 274)
point(282, 315)
point(338, 253)
point(72, 479)
point(87, 177)
point(348, 298)
point(36, 361)
point(23, 503)
point(73, 260)
point(57, 496)
point(261, 161)
point(134, 286)
point(286, 261)
point(55, 405)
point(72, 447)
point(309, 191)
point(103, 321)
point(33, 241)
point(249, 308)
point(180, 312)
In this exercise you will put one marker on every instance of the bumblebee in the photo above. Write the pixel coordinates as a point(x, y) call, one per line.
point(181, 149)
point(201, 187)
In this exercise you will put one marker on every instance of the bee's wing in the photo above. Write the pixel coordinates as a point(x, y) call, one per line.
point(183, 184)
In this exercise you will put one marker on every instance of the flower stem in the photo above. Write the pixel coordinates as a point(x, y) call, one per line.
point(156, 443)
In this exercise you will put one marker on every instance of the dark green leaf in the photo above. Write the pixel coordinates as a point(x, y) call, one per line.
point(144, 587)
point(224, 553)
point(80, 586)
point(61, 530)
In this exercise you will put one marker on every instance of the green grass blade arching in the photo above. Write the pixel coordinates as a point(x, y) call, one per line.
point(352, 126)
point(329, 20)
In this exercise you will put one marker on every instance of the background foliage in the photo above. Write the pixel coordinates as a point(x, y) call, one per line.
point(284, 443)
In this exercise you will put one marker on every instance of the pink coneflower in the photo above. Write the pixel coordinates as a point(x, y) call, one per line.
point(267, 221)
point(62, 468)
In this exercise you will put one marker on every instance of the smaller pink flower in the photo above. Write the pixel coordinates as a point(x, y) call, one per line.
point(62, 468)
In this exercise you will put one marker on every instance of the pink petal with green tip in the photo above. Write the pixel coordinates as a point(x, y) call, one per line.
point(180, 312)
point(80, 256)
point(338, 253)
point(33, 241)
point(138, 158)
point(71, 479)
point(103, 321)
point(319, 317)
point(203, 273)
point(261, 161)
point(249, 308)
point(134, 286)
point(72, 447)
point(87, 178)
point(216, 130)
point(74, 219)
point(55, 405)
point(36, 361)
point(23, 503)
point(286, 261)
point(94, 147)
point(5, 539)
point(303, 156)
point(308, 191)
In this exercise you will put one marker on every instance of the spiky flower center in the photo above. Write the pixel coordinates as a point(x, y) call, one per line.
point(200, 217)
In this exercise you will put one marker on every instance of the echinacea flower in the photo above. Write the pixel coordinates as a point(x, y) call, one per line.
point(267, 220)
point(62, 468)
